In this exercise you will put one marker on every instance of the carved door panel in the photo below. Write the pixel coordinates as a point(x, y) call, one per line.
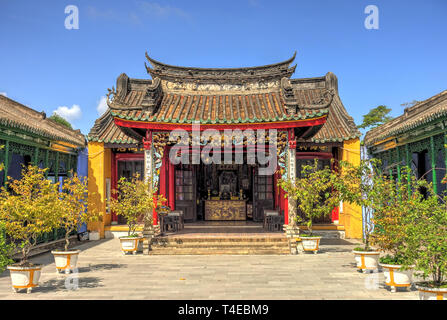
point(263, 194)
point(185, 191)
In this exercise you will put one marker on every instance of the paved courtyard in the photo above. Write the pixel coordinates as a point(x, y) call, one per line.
point(104, 273)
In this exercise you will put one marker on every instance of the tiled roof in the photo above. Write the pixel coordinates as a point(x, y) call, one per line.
point(413, 117)
point(228, 109)
point(16, 115)
point(339, 125)
point(180, 95)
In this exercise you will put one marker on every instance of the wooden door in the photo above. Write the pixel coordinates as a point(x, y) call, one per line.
point(263, 195)
point(185, 191)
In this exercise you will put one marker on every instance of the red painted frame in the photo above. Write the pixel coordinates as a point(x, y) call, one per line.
point(121, 157)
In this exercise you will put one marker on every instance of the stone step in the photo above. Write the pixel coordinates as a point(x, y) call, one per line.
point(218, 251)
point(221, 245)
point(220, 239)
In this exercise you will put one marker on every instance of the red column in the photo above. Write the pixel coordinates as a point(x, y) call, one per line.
point(154, 212)
point(171, 186)
point(286, 210)
point(163, 175)
point(114, 182)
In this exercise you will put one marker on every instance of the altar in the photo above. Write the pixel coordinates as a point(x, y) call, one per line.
point(228, 210)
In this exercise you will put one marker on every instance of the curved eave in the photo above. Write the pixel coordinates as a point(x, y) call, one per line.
point(221, 126)
point(38, 133)
point(156, 63)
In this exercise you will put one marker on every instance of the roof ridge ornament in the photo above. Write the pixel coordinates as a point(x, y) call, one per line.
point(221, 75)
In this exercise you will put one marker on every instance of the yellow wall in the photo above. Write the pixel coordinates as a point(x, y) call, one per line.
point(351, 216)
point(99, 168)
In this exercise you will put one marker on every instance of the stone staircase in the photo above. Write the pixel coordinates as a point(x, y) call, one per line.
point(218, 245)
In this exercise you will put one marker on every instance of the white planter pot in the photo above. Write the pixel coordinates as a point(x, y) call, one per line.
point(133, 244)
point(367, 260)
point(93, 235)
point(311, 244)
point(66, 260)
point(427, 293)
point(24, 277)
point(394, 277)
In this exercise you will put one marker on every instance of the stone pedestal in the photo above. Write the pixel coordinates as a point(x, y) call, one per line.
point(292, 232)
point(148, 235)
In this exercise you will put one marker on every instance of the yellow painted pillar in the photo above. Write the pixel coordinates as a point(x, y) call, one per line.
point(99, 169)
point(351, 216)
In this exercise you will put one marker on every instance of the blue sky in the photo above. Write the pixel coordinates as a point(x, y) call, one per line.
point(45, 66)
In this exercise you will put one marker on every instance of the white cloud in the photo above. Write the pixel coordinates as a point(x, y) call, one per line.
point(102, 106)
point(69, 114)
point(3, 94)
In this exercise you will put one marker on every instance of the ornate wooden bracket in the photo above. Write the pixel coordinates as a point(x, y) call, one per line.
point(147, 141)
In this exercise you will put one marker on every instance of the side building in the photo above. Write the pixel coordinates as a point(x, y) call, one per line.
point(417, 139)
point(29, 137)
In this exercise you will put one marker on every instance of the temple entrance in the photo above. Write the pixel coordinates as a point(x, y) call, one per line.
point(223, 192)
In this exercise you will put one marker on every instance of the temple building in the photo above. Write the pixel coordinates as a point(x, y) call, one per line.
point(306, 116)
point(416, 139)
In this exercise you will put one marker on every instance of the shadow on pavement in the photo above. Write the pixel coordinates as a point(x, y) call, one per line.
point(102, 267)
point(64, 284)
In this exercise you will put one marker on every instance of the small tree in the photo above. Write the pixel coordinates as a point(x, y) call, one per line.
point(135, 200)
point(73, 206)
point(30, 209)
point(314, 192)
point(400, 199)
point(375, 117)
point(426, 235)
point(364, 186)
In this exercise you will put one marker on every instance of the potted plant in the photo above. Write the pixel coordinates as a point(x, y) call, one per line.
point(316, 197)
point(361, 185)
point(72, 213)
point(135, 201)
point(426, 230)
point(390, 222)
point(27, 211)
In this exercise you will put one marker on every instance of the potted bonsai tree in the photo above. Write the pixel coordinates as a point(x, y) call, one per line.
point(426, 230)
point(72, 213)
point(363, 185)
point(28, 211)
point(316, 197)
point(390, 222)
point(135, 201)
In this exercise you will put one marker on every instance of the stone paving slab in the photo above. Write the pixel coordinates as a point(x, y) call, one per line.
point(105, 274)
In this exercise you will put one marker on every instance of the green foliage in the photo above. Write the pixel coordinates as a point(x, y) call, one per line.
point(135, 200)
point(393, 259)
point(57, 118)
point(72, 206)
point(375, 117)
point(313, 192)
point(426, 234)
point(30, 209)
point(6, 250)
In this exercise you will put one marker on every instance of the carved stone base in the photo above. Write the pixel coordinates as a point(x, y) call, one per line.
point(292, 232)
point(148, 235)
